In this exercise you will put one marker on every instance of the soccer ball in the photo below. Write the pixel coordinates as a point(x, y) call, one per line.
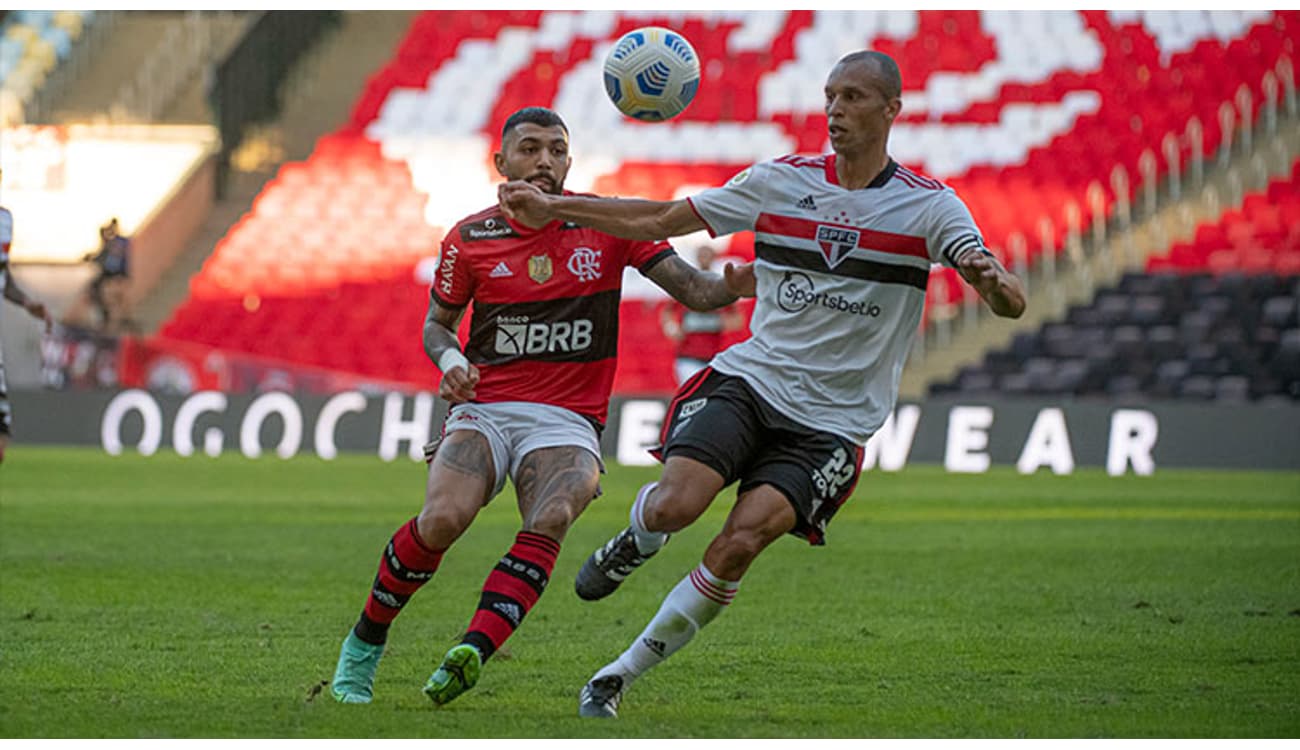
point(652, 73)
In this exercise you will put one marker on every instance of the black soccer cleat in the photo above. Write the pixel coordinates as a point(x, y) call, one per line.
point(606, 568)
point(600, 698)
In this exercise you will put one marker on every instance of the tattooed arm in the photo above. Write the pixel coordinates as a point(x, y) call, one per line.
point(459, 377)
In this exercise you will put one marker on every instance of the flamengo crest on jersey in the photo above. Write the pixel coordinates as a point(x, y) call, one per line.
point(545, 323)
point(841, 283)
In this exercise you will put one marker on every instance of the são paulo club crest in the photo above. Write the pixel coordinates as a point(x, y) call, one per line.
point(836, 242)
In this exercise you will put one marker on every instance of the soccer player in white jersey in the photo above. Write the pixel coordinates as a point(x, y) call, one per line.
point(844, 244)
point(17, 296)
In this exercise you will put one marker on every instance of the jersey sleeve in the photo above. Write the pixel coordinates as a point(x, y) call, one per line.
point(453, 283)
point(644, 256)
point(735, 206)
point(952, 231)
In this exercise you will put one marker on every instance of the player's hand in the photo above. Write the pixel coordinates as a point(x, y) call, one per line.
point(458, 384)
point(740, 279)
point(980, 271)
point(38, 310)
point(1000, 288)
point(525, 203)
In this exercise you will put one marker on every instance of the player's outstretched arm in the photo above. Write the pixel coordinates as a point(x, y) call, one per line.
point(630, 218)
point(697, 289)
point(459, 377)
point(34, 307)
point(1000, 288)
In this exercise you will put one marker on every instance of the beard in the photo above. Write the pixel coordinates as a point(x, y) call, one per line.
point(546, 183)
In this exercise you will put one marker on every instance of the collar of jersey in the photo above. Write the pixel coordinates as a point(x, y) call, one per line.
point(880, 180)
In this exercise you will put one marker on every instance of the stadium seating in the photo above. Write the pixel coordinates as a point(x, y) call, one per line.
point(1263, 236)
point(1018, 111)
point(32, 43)
point(1216, 318)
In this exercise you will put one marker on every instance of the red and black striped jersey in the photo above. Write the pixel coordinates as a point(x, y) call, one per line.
point(544, 324)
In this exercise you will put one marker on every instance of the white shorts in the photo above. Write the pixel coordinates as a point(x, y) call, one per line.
point(516, 428)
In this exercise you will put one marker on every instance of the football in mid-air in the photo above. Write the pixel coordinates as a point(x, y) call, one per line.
point(652, 73)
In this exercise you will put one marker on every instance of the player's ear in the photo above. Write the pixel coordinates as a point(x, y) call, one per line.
point(499, 161)
point(892, 109)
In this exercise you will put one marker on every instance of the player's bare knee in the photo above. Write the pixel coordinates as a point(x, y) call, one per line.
point(674, 505)
point(555, 485)
point(552, 517)
point(440, 524)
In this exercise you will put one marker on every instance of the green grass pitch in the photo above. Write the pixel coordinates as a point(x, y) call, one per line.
point(169, 597)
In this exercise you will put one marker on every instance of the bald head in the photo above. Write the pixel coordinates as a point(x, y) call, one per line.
point(882, 68)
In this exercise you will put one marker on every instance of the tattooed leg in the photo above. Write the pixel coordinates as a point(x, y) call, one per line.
point(459, 482)
point(554, 486)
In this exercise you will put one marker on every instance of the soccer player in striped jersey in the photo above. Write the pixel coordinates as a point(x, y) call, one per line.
point(844, 244)
point(11, 292)
point(529, 397)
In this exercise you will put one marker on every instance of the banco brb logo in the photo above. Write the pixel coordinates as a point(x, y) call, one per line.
point(516, 337)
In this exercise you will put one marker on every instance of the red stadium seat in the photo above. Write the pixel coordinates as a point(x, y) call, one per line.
point(1258, 238)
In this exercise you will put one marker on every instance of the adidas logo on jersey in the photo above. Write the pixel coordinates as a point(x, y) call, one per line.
point(501, 271)
point(807, 203)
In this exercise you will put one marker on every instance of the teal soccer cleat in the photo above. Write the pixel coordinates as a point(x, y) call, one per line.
point(354, 678)
point(458, 672)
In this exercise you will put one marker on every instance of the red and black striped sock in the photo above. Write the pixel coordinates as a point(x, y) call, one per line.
point(406, 566)
point(511, 589)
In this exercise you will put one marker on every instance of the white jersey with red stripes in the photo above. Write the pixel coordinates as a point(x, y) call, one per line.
point(841, 283)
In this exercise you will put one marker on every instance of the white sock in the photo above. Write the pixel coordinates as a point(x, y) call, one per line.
point(692, 604)
point(647, 541)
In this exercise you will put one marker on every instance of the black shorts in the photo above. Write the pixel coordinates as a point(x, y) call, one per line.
point(721, 422)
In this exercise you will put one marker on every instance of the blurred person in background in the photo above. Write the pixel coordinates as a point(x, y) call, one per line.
point(698, 335)
point(108, 289)
point(13, 294)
